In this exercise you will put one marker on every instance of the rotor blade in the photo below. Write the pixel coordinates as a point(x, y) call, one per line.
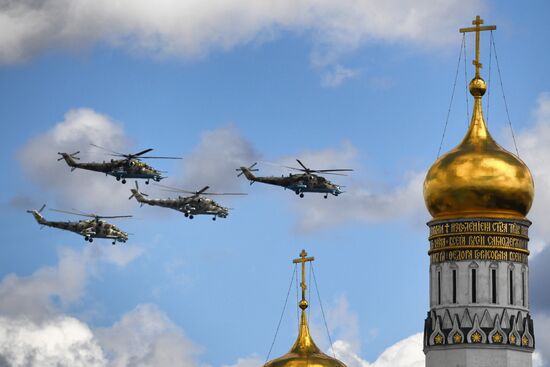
point(155, 157)
point(73, 213)
point(334, 174)
point(202, 190)
point(224, 193)
point(105, 149)
point(174, 189)
point(43, 206)
point(297, 169)
point(142, 152)
point(301, 164)
point(333, 170)
point(112, 216)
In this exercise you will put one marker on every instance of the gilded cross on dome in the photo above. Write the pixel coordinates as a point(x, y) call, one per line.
point(478, 28)
point(303, 259)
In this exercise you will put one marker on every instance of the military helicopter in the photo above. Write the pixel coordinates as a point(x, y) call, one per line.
point(88, 228)
point(130, 166)
point(190, 206)
point(307, 181)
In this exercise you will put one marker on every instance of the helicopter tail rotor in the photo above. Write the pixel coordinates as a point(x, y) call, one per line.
point(38, 216)
point(136, 193)
point(247, 171)
point(66, 155)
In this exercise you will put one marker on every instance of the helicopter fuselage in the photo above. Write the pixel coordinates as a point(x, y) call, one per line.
point(189, 206)
point(299, 183)
point(88, 228)
point(121, 169)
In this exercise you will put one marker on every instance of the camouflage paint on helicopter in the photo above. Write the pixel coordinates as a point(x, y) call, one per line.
point(129, 167)
point(196, 204)
point(88, 228)
point(301, 182)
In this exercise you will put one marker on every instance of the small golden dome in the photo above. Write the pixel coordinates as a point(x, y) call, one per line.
point(478, 178)
point(304, 352)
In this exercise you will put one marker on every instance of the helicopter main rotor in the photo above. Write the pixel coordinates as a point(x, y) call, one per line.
point(324, 171)
point(202, 191)
point(138, 155)
point(95, 216)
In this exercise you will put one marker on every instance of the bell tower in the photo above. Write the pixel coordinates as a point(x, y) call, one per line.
point(478, 195)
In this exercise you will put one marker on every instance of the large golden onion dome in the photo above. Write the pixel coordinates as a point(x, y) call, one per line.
point(304, 352)
point(478, 178)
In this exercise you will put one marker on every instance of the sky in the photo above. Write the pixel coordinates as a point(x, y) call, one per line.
point(348, 84)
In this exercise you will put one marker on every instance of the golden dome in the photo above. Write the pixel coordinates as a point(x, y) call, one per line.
point(478, 178)
point(304, 352)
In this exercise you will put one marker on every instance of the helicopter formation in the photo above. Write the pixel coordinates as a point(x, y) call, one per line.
point(131, 166)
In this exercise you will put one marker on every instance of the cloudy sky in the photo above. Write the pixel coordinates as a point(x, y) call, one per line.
point(350, 83)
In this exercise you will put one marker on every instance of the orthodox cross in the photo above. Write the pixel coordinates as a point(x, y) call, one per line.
point(303, 259)
point(478, 28)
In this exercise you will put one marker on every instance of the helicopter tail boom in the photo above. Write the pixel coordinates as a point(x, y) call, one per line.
point(38, 216)
point(70, 159)
point(247, 173)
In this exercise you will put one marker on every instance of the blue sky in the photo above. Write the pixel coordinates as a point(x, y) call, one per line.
point(224, 85)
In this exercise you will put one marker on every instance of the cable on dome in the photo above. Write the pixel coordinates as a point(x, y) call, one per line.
point(466, 83)
point(452, 96)
point(297, 298)
point(489, 81)
point(322, 310)
point(504, 97)
point(282, 314)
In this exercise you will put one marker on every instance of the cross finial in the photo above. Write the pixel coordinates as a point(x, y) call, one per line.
point(478, 28)
point(303, 259)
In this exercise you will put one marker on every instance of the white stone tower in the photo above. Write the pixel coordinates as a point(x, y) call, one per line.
point(479, 195)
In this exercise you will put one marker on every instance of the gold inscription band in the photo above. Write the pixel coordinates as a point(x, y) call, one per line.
point(479, 239)
point(479, 254)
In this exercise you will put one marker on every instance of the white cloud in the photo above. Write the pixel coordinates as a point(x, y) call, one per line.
point(252, 361)
point(542, 335)
point(85, 190)
point(31, 296)
point(192, 28)
point(35, 329)
point(146, 337)
point(337, 75)
point(359, 202)
point(122, 255)
point(534, 144)
point(405, 353)
point(58, 342)
point(214, 160)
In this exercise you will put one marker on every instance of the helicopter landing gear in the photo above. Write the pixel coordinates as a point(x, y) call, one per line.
point(213, 218)
point(191, 216)
point(186, 215)
point(326, 196)
point(86, 238)
point(114, 243)
point(147, 182)
point(118, 178)
point(90, 239)
point(301, 194)
point(123, 181)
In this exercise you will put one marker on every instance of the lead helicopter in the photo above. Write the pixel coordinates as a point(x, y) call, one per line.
point(130, 166)
point(88, 228)
point(307, 181)
point(196, 204)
